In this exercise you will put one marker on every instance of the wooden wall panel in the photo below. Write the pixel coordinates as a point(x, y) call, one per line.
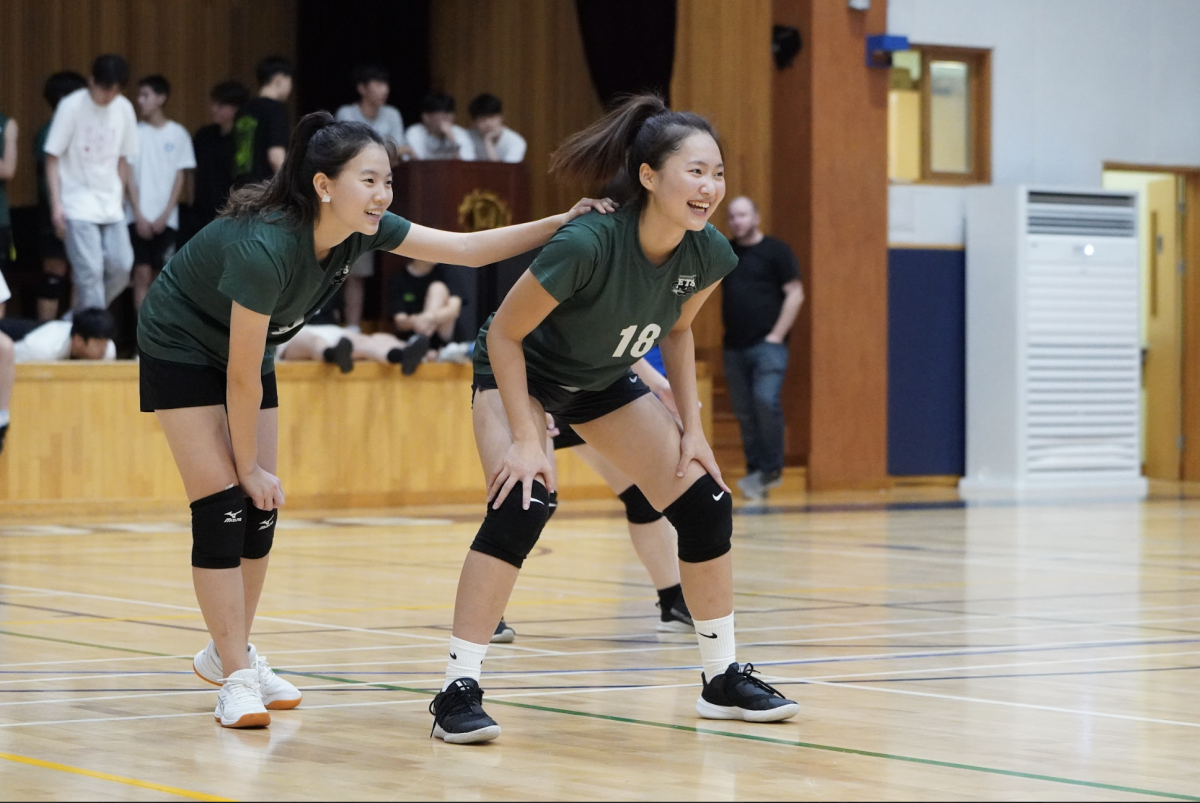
point(831, 183)
point(194, 44)
point(368, 438)
point(723, 71)
point(530, 55)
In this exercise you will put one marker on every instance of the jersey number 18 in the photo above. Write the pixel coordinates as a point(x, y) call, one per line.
point(643, 344)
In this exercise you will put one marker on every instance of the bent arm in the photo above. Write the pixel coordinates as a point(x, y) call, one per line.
point(485, 247)
point(793, 298)
point(8, 165)
point(53, 183)
point(679, 358)
point(243, 395)
point(275, 157)
point(525, 306)
point(440, 305)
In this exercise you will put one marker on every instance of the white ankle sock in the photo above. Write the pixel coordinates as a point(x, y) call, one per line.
point(466, 660)
point(718, 647)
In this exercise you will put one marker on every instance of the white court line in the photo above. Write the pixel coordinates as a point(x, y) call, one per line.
point(323, 625)
point(1005, 703)
point(419, 701)
point(960, 669)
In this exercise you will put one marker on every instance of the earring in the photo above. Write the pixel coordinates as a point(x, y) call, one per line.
point(325, 200)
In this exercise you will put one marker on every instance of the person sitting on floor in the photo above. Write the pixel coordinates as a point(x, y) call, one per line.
point(87, 337)
point(422, 305)
point(341, 346)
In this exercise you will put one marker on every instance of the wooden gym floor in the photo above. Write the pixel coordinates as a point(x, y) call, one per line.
point(1003, 652)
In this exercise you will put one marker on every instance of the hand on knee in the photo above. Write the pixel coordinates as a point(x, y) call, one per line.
point(219, 530)
point(509, 532)
point(703, 517)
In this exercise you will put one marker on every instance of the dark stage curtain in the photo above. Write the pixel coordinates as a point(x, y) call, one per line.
point(629, 44)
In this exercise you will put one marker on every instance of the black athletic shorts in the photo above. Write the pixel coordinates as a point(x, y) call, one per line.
point(572, 405)
point(152, 252)
point(17, 328)
point(168, 385)
point(566, 437)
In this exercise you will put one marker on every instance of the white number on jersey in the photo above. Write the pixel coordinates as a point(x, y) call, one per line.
point(643, 344)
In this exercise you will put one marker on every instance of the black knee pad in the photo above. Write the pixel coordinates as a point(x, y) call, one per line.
point(509, 533)
point(551, 505)
point(703, 517)
point(260, 531)
point(219, 530)
point(638, 509)
point(50, 286)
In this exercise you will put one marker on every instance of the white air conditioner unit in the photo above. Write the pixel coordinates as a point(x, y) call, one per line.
point(1053, 344)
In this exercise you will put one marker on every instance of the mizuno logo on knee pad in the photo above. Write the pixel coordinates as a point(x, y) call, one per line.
point(717, 497)
point(233, 516)
point(267, 523)
point(539, 501)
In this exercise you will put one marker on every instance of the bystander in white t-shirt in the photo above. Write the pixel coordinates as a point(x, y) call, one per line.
point(49, 342)
point(509, 148)
point(89, 141)
point(162, 153)
point(426, 146)
point(387, 123)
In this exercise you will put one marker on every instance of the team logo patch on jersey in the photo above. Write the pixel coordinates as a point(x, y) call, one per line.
point(684, 286)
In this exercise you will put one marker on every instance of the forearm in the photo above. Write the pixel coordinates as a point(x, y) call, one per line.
point(243, 397)
point(131, 189)
point(508, 364)
point(52, 181)
point(787, 317)
point(448, 312)
point(485, 247)
point(176, 194)
point(679, 358)
point(650, 375)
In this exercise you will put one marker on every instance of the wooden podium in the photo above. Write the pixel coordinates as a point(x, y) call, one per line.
point(457, 196)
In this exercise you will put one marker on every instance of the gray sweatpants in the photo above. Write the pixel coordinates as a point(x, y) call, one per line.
point(101, 258)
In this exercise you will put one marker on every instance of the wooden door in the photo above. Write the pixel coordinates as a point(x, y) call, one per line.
point(1162, 375)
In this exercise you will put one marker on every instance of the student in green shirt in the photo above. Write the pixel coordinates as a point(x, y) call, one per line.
point(206, 333)
point(602, 292)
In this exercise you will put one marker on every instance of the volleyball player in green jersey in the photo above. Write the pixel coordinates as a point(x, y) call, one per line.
point(602, 292)
point(206, 334)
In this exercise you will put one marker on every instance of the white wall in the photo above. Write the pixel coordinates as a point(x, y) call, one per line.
point(1075, 83)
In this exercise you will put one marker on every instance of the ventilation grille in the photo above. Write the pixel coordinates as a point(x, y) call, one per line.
point(1081, 214)
point(1082, 369)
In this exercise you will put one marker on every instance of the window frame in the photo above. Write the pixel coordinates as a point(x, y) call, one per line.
point(979, 87)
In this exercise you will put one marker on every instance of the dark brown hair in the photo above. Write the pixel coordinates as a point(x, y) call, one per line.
point(639, 130)
point(319, 145)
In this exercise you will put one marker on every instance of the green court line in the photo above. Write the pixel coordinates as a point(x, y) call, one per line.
point(792, 743)
point(83, 644)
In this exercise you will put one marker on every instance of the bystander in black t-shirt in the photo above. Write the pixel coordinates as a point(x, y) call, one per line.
point(262, 124)
point(214, 173)
point(408, 291)
point(752, 295)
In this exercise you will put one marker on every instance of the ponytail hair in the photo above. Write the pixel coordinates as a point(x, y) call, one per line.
point(319, 144)
point(639, 130)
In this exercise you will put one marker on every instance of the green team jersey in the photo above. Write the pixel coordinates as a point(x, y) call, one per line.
point(613, 304)
point(266, 266)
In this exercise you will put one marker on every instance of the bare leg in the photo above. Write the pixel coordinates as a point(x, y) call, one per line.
point(487, 582)
point(655, 543)
point(199, 441)
point(254, 570)
point(353, 300)
point(142, 276)
point(642, 442)
point(375, 347)
point(305, 346)
point(48, 307)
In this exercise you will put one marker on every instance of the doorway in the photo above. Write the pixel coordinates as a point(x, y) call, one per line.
point(1170, 314)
